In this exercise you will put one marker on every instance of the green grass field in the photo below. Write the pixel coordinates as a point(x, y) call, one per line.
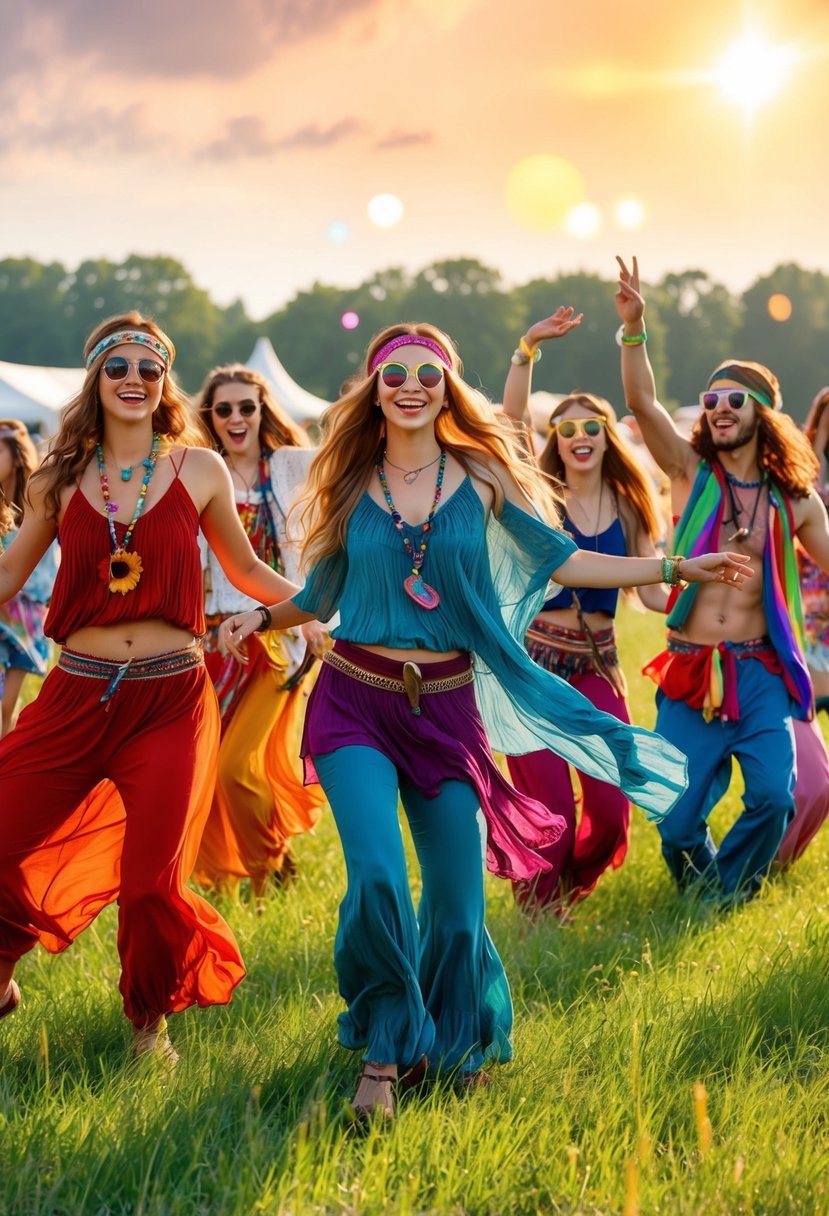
point(668, 1059)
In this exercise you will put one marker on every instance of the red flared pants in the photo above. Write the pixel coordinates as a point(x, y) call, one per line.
point(100, 801)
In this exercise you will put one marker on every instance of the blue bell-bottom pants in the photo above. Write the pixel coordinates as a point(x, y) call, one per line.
point(762, 741)
point(427, 983)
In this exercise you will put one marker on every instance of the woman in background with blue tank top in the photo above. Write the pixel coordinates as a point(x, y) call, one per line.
point(427, 671)
point(610, 508)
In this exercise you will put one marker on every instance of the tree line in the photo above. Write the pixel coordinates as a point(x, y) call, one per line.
point(693, 322)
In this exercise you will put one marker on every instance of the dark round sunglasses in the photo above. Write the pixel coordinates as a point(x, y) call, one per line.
point(246, 408)
point(118, 369)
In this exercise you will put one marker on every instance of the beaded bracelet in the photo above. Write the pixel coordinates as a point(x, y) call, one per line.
point(265, 614)
point(635, 339)
point(524, 353)
point(670, 570)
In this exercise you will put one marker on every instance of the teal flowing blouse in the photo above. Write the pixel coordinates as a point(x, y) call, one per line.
point(491, 573)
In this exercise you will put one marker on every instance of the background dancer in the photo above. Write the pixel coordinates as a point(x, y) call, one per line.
point(106, 780)
point(23, 646)
point(260, 800)
point(811, 793)
point(734, 674)
point(609, 507)
point(394, 709)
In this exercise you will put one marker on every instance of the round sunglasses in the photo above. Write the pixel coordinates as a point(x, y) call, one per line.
point(395, 375)
point(569, 427)
point(736, 398)
point(246, 408)
point(118, 369)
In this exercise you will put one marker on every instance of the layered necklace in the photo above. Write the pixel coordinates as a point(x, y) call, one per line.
point(422, 594)
point(122, 570)
point(745, 530)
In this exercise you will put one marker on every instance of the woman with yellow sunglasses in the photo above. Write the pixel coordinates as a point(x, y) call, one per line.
point(610, 508)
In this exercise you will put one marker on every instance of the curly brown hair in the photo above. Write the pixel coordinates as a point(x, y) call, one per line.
point(81, 424)
point(276, 428)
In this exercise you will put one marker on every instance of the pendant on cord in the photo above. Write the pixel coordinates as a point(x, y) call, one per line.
point(422, 594)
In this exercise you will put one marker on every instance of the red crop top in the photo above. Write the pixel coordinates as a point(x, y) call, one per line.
point(166, 537)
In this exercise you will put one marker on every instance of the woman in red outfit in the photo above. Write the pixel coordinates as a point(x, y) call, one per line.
point(107, 778)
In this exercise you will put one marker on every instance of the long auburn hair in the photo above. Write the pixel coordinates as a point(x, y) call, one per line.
point(276, 428)
point(82, 424)
point(352, 435)
point(783, 451)
point(620, 469)
point(25, 460)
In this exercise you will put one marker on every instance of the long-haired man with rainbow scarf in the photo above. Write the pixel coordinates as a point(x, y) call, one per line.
point(733, 676)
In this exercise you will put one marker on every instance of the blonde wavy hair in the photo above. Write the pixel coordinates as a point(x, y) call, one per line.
point(25, 460)
point(276, 428)
point(82, 424)
point(353, 430)
point(620, 469)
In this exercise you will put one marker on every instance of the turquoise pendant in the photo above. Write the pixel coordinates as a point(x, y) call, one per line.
point(421, 592)
point(126, 474)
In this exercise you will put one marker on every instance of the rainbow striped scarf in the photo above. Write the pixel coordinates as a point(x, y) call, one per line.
point(698, 532)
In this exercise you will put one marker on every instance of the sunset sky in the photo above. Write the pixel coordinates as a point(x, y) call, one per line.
point(247, 137)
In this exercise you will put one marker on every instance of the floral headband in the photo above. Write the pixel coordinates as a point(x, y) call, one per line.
point(128, 335)
point(408, 340)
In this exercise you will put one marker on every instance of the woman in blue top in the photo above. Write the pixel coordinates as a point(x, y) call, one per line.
point(435, 539)
point(610, 508)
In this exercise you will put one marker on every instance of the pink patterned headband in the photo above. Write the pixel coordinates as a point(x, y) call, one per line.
point(121, 338)
point(408, 340)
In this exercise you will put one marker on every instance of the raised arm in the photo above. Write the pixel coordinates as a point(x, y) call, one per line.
point(519, 378)
point(670, 450)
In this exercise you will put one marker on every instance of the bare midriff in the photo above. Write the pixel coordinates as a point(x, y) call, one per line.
point(129, 640)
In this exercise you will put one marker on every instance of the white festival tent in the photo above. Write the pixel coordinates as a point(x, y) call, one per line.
point(36, 395)
point(296, 401)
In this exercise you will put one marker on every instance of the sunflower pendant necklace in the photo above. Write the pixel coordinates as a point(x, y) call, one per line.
point(122, 570)
point(414, 586)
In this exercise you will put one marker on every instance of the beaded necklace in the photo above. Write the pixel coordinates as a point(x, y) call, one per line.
point(122, 570)
point(414, 586)
point(737, 507)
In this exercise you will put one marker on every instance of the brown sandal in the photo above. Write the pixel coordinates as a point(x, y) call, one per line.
point(385, 1109)
point(413, 1076)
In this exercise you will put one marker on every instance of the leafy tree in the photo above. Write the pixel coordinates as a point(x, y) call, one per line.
point(796, 350)
point(700, 321)
point(30, 294)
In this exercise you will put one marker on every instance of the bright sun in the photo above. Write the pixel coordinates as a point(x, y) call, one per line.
point(752, 71)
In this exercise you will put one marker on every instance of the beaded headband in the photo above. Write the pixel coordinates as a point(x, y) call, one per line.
point(128, 335)
point(408, 340)
point(750, 380)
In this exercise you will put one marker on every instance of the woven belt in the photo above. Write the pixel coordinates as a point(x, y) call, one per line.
point(154, 667)
point(411, 682)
